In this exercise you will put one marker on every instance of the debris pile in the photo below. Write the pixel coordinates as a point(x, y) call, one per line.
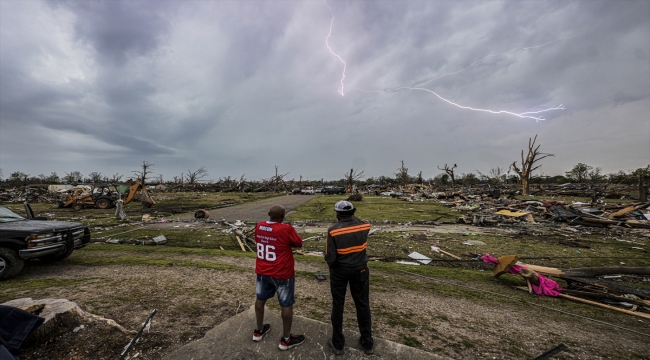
point(29, 194)
point(607, 287)
point(501, 212)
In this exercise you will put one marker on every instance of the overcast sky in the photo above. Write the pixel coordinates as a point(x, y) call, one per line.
point(241, 86)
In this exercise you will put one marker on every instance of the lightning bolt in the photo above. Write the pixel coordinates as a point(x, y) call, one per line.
point(341, 89)
point(523, 115)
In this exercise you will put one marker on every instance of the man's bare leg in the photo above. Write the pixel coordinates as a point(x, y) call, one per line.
point(287, 319)
point(259, 314)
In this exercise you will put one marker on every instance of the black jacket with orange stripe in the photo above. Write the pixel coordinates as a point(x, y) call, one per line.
point(346, 243)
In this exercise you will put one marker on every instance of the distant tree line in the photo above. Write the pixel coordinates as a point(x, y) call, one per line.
point(580, 173)
point(523, 174)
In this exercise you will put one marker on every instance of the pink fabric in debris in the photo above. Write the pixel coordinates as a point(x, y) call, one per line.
point(547, 287)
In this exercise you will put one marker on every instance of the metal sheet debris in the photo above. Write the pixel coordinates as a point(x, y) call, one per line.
point(420, 258)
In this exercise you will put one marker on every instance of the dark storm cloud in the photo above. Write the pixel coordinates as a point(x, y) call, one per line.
point(120, 29)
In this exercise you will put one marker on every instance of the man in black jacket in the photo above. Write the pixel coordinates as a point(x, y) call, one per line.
point(345, 254)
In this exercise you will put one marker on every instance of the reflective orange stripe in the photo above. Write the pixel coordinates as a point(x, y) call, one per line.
point(351, 249)
point(351, 229)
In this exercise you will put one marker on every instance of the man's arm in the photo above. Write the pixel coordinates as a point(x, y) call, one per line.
point(294, 239)
point(330, 250)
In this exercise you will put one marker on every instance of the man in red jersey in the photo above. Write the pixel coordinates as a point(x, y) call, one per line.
point(275, 274)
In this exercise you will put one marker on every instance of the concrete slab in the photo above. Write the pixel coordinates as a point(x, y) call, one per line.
point(232, 339)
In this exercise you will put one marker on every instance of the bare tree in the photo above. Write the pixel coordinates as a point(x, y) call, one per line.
point(450, 172)
point(19, 176)
point(195, 176)
point(73, 177)
point(53, 178)
point(147, 168)
point(595, 175)
point(528, 164)
point(353, 176)
point(496, 176)
point(579, 173)
point(116, 178)
point(241, 182)
point(95, 177)
point(278, 179)
point(402, 174)
point(179, 179)
point(420, 179)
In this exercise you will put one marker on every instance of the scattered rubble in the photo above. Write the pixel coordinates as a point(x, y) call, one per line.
point(29, 194)
point(598, 286)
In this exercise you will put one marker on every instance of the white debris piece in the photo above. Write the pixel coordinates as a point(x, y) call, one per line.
point(473, 242)
point(80, 327)
point(419, 257)
point(160, 240)
point(406, 262)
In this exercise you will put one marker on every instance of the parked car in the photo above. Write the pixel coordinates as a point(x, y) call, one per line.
point(391, 193)
point(329, 190)
point(307, 191)
point(23, 238)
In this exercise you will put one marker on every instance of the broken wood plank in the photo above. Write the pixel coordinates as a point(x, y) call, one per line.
point(450, 254)
point(638, 224)
point(601, 221)
point(548, 271)
point(240, 243)
point(598, 271)
point(622, 212)
point(610, 285)
point(601, 295)
point(300, 252)
point(585, 301)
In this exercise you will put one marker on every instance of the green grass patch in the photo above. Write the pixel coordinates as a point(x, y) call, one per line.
point(411, 341)
point(374, 209)
point(141, 260)
point(116, 248)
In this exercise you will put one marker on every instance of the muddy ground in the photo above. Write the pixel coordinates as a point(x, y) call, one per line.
point(191, 299)
point(463, 314)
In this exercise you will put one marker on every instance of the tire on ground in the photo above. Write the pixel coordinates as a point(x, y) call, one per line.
point(103, 203)
point(10, 263)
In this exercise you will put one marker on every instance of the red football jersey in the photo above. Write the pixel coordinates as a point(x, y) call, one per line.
point(274, 256)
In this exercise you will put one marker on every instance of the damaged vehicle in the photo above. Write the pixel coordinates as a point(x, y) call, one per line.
point(23, 238)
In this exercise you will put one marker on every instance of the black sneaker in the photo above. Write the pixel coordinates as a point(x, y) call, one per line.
point(366, 350)
point(294, 340)
point(336, 351)
point(258, 335)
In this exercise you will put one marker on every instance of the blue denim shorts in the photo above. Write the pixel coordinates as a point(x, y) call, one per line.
point(266, 287)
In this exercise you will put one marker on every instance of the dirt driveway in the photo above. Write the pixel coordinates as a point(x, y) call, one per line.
point(258, 210)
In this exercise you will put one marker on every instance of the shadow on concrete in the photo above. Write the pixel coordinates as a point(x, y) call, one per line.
point(232, 339)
